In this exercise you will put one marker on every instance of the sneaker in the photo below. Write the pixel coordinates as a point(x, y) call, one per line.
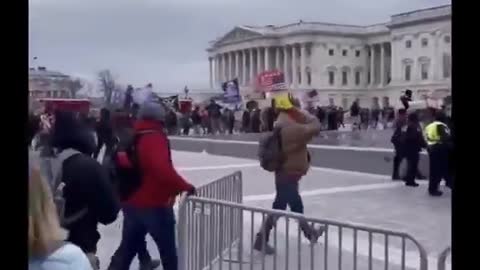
point(262, 246)
point(318, 232)
point(436, 193)
point(412, 184)
point(153, 264)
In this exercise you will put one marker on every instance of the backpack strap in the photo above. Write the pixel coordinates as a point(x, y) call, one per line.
point(58, 186)
point(57, 166)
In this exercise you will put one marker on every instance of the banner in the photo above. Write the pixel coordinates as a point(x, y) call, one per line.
point(231, 91)
point(171, 102)
point(272, 80)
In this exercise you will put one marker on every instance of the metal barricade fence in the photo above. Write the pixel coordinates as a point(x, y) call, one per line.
point(442, 258)
point(206, 241)
point(203, 222)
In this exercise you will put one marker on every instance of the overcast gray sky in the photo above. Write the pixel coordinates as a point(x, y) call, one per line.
point(164, 41)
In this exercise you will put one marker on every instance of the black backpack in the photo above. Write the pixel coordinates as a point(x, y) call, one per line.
point(270, 152)
point(127, 180)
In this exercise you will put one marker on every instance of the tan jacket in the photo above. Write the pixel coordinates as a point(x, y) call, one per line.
point(295, 137)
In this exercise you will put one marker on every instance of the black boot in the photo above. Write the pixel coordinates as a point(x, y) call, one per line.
point(436, 193)
point(412, 184)
point(261, 240)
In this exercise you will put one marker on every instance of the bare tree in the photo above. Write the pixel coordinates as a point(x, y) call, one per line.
point(73, 86)
point(107, 85)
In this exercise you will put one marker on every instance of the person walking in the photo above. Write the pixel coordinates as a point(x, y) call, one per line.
point(414, 143)
point(440, 145)
point(196, 120)
point(399, 144)
point(355, 115)
point(297, 128)
point(246, 121)
point(214, 115)
point(150, 207)
point(89, 195)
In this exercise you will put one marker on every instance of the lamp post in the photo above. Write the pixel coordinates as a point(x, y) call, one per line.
point(185, 90)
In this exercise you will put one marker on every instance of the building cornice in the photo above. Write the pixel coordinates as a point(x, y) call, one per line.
point(337, 30)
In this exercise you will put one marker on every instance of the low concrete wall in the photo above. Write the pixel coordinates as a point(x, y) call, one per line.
point(367, 160)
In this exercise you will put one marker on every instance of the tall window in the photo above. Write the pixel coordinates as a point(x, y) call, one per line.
point(369, 79)
point(309, 77)
point(446, 39)
point(408, 72)
point(344, 52)
point(408, 44)
point(357, 77)
point(344, 78)
point(447, 63)
point(424, 69)
point(424, 42)
point(357, 53)
point(330, 52)
point(331, 77)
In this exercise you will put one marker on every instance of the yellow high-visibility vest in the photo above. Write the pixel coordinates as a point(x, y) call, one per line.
point(431, 132)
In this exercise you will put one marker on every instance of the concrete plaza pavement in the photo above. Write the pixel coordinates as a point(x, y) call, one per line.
point(346, 196)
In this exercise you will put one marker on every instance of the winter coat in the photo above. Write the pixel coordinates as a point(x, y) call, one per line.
point(87, 184)
point(160, 183)
point(296, 134)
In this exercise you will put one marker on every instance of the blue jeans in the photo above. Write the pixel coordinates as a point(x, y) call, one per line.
point(142, 252)
point(160, 224)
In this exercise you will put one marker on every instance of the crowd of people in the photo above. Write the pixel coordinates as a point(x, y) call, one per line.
point(72, 190)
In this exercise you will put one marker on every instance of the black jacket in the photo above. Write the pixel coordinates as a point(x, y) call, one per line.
point(86, 183)
point(414, 140)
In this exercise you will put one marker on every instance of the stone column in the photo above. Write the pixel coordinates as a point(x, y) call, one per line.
point(244, 67)
point(267, 58)
point(216, 69)
point(211, 71)
point(259, 60)
point(225, 68)
point(285, 65)
point(230, 66)
point(294, 67)
point(252, 74)
point(372, 64)
point(434, 74)
point(382, 64)
point(303, 65)
point(237, 65)
point(277, 58)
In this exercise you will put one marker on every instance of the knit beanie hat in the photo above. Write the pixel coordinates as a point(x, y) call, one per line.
point(150, 110)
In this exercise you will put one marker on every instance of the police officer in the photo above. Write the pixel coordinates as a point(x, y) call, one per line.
point(439, 143)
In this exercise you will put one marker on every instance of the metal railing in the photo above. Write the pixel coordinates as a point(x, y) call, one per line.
point(202, 241)
point(442, 258)
point(204, 230)
point(228, 188)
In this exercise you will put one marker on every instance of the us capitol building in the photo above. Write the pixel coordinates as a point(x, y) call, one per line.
point(343, 62)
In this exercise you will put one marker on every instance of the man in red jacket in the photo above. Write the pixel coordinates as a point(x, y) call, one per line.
point(150, 208)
